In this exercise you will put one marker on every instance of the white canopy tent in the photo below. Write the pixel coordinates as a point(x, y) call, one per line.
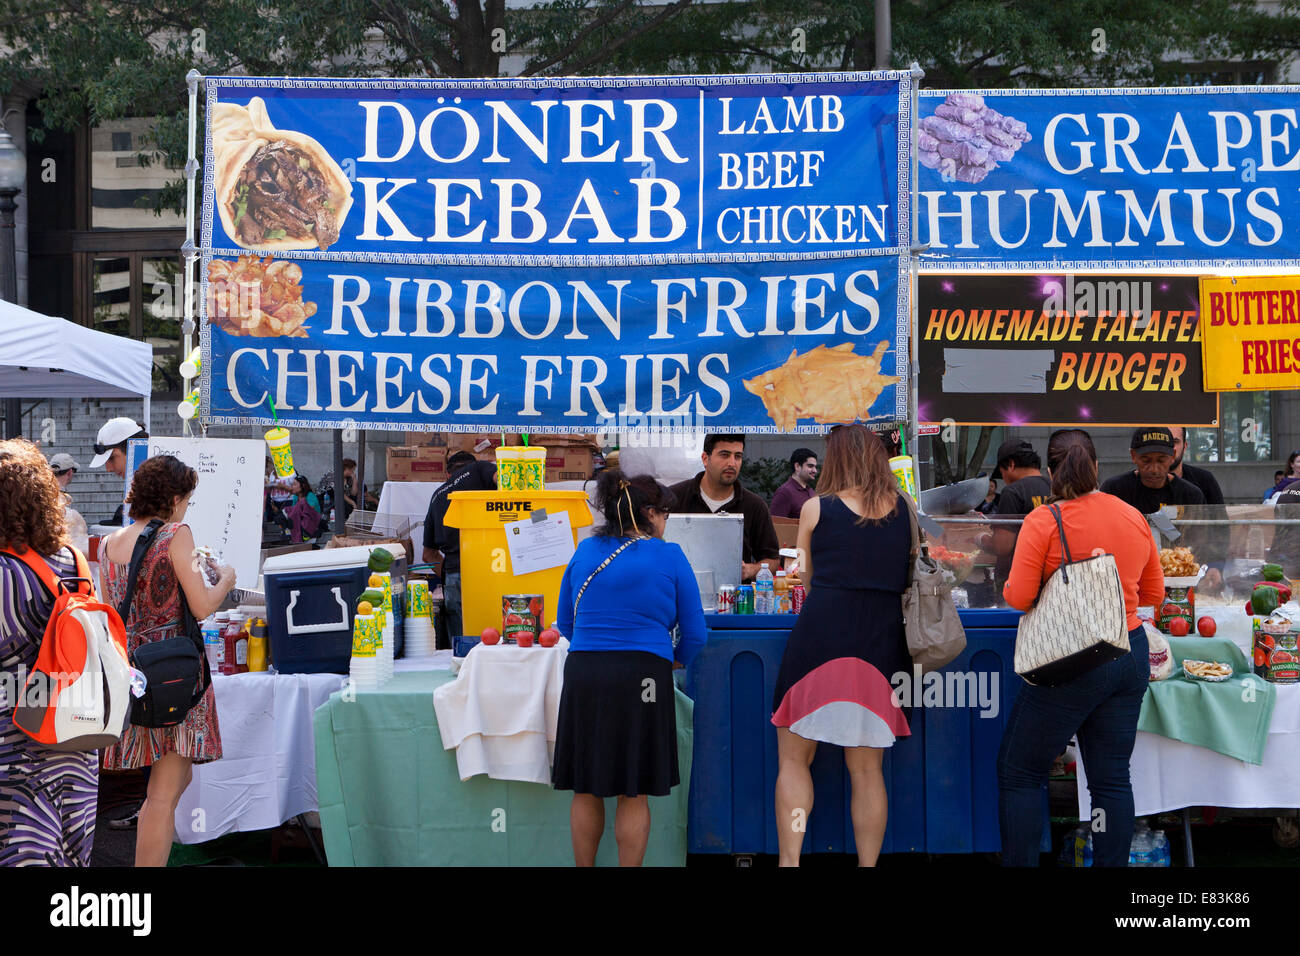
point(45, 357)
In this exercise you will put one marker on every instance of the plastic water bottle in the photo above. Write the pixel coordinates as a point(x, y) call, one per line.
point(1140, 852)
point(213, 645)
point(764, 586)
point(1160, 850)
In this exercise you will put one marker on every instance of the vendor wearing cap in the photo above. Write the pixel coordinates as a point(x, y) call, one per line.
point(64, 467)
point(110, 450)
point(1151, 485)
point(1021, 471)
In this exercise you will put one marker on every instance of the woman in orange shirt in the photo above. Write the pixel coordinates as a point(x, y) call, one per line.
point(1100, 706)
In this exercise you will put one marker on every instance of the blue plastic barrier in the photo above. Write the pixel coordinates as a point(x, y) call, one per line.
point(942, 780)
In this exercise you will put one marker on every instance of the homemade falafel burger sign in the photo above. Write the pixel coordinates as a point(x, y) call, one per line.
point(567, 254)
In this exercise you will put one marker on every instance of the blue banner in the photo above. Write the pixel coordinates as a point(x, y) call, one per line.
point(1100, 179)
point(693, 168)
point(760, 347)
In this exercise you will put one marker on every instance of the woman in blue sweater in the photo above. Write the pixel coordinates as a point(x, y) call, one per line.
point(620, 598)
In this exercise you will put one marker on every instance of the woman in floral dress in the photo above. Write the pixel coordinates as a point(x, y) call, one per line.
point(161, 488)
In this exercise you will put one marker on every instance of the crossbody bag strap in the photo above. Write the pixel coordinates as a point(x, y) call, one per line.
point(142, 544)
point(601, 567)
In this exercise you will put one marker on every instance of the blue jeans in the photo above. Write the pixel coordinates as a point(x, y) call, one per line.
point(1101, 707)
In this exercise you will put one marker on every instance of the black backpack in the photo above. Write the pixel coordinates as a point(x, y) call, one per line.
point(172, 666)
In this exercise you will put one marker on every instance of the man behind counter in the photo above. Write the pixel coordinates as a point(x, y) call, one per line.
point(1020, 467)
point(1153, 487)
point(466, 474)
point(717, 488)
point(798, 488)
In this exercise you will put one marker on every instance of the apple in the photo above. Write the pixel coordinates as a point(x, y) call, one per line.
point(1206, 627)
point(523, 638)
point(549, 637)
point(490, 635)
point(1180, 627)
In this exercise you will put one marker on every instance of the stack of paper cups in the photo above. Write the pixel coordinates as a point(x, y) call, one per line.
point(387, 625)
point(363, 668)
point(418, 623)
point(383, 644)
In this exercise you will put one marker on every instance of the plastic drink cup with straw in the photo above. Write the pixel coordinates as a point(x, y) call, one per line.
point(509, 477)
point(277, 441)
point(904, 471)
point(532, 468)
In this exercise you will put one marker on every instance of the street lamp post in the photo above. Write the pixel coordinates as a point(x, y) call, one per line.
point(13, 174)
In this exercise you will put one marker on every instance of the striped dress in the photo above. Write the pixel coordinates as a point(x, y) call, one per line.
point(47, 799)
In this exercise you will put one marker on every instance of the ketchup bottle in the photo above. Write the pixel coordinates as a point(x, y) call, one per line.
point(235, 639)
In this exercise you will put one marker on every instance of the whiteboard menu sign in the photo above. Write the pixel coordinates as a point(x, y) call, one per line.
point(225, 511)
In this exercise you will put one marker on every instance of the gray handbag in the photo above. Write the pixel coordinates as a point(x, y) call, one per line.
point(935, 635)
point(1077, 623)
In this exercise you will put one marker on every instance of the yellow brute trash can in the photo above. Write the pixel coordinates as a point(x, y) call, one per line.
point(485, 571)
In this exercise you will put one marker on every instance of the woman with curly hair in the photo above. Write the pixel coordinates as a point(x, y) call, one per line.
point(47, 799)
point(161, 488)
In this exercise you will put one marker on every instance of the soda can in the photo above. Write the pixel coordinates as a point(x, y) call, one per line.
point(796, 598)
point(727, 599)
point(417, 599)
point(745, 599)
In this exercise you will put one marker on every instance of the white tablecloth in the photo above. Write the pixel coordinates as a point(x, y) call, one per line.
point(1169, 774)
point(501, 712)
point(267, 774)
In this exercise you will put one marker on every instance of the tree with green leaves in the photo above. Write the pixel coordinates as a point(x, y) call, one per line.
point(95, 60)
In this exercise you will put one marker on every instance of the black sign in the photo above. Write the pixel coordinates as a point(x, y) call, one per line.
point(1061, 350)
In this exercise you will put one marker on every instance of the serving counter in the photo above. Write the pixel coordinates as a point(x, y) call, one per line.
point(942, 780)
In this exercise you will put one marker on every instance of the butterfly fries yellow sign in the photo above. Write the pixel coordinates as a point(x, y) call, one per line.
point(1250, 333)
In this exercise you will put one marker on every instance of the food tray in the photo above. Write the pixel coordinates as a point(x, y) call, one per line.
point(1208, 680)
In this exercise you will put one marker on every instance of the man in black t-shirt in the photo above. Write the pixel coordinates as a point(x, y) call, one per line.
point(467, 474)
point(1151, 486)
point(1022, 471)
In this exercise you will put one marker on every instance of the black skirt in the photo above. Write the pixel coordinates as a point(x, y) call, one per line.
point(617, 733)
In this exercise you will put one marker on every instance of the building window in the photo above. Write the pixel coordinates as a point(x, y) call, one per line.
point(1245, 432)
point(126, 178)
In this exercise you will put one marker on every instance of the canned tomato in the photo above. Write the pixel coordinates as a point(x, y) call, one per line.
point(726, 599)
point(744, 599)
point(521, 613)
point(796, 598)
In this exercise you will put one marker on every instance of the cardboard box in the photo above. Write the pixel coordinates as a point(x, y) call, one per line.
point(787, 531)
point(569, 464)
point(417, 463)
point(415, 439)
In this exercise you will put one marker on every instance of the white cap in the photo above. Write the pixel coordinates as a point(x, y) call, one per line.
point(113, 433)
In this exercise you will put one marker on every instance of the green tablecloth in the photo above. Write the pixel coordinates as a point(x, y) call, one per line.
point(1231, 717)
point(391, 796)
